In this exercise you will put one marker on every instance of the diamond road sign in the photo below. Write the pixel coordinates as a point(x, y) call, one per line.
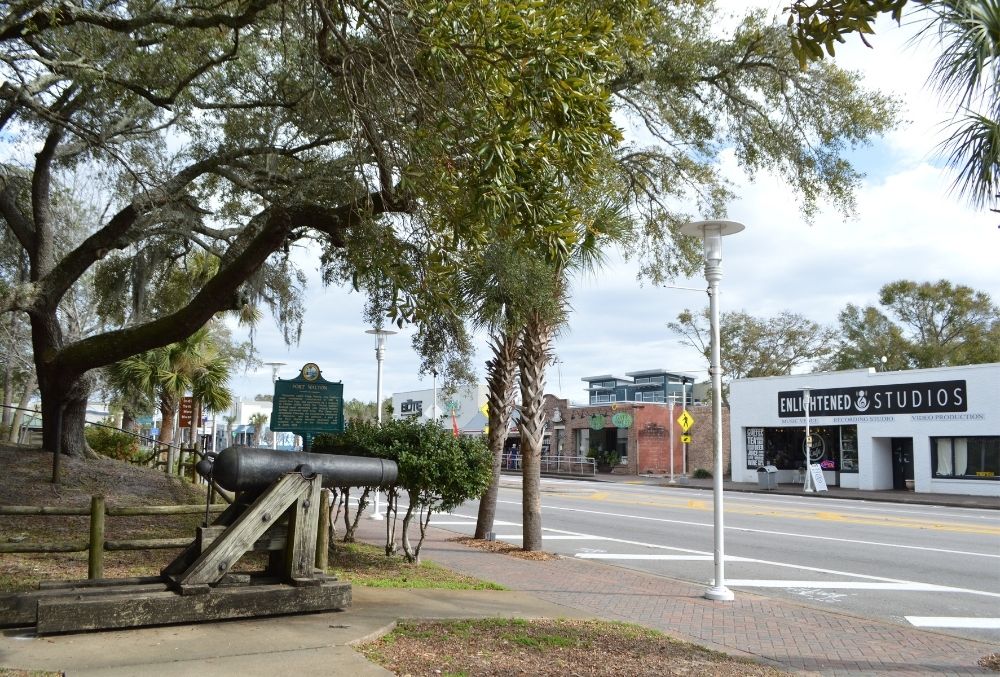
point(686, 420)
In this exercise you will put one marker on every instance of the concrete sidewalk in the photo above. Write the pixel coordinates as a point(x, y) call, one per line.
point(264, 647)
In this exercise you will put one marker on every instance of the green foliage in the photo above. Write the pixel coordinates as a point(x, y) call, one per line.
point(818, 24)
point(702, 474)
point(757, 346)
point(920, 325)
point(967, 71)
point(112, 443)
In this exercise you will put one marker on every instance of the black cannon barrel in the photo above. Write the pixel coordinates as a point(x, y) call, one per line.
point(247, 468)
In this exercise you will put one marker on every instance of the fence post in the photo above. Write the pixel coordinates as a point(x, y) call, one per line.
point(323, 537)
point(95, 562)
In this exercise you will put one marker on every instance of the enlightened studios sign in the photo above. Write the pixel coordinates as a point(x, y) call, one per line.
point(899, 398)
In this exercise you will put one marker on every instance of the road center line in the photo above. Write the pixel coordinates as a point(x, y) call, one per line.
point(663, 520)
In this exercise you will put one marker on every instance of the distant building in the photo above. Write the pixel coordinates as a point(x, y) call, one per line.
point(651, 385)
point(463, 408)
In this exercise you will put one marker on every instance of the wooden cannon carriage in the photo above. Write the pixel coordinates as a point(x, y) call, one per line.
point(277, 510)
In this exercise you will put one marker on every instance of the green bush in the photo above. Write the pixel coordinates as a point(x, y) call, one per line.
point(112, 443)
point(702, 474)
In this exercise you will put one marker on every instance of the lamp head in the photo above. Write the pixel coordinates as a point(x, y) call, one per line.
point(711, 232)
point(380, 336)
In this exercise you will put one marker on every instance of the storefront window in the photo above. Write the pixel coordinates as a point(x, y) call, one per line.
point(833, 447)
point(966, 457)
point(848, 448)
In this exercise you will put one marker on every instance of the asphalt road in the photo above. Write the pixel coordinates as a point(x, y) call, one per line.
point(928, 566)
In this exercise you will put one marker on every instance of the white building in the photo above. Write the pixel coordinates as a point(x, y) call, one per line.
point(935, 430)
point(466, 404)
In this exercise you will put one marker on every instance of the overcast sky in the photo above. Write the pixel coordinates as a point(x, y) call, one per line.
point(908, 227)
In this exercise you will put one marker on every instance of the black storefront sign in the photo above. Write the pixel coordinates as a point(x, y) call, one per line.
point(411, 408)
point(899, 398)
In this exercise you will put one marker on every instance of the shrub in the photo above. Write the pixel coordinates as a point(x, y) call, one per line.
point(702, 474)
point(112, 443)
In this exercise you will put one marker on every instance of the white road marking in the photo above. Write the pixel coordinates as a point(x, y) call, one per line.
point(672, 558)
point(954, 622)
point(838, 585)
point(800, 567)
point(765, 531)
point(553, 537)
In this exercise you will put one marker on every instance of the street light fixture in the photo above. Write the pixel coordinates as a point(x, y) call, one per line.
point(711, 233)
point(274, 379)
point(380, 337)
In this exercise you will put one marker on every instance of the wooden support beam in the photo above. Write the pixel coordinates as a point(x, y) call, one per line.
point(75, 614)
point(225, 551)
point(302, 525)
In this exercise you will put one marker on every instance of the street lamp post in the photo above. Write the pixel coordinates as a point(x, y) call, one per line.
point(807, 484)
point(670, 414)
point(380, 337)
point(274, 379)
point(684, 445)
point(712, 233)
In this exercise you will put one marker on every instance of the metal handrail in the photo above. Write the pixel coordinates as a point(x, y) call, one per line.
point(554, 465)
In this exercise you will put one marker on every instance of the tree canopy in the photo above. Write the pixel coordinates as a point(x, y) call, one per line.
point(757, 346)
point(920, 325)
point(966, 73)
point(405, 136)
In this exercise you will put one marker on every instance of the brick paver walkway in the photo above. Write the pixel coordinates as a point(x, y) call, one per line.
point(792, 636)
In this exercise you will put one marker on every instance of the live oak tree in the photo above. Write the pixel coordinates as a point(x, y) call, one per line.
point(236, 129)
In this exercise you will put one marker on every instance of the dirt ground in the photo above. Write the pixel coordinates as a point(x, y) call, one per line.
point(548, 648)
point(25, 479)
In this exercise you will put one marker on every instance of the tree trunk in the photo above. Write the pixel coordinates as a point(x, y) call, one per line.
point(66, 398)
point(500, 382)
point(168, 408)
point(534, 355)
point(15, 424)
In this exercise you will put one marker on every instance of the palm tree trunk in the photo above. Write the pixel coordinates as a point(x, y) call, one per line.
point(500, 383)
point(534, 355)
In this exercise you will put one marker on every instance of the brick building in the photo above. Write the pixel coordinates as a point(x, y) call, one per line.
point(633, 421)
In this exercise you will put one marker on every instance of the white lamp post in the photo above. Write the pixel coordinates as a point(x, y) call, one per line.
point(807, 484)
point(274, 379)
point(380, 336)
point(712, 233)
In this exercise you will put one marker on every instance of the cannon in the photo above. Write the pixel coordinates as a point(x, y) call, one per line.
point(277, 511)
point(251, 469)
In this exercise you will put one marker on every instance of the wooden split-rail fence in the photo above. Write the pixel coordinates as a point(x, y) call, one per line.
point(96, 545)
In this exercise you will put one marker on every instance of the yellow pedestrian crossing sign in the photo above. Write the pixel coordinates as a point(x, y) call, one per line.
point(685, 439)
point(686, 420)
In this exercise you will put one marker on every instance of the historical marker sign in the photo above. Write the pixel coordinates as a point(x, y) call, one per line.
point(308, 404)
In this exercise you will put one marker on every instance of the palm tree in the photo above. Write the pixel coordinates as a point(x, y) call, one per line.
point(167, 373)
point(495, 288)
point(544, 315)
point(968, 73)
point(258, 421)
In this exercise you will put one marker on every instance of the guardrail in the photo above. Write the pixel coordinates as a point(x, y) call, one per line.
point(555, 465)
